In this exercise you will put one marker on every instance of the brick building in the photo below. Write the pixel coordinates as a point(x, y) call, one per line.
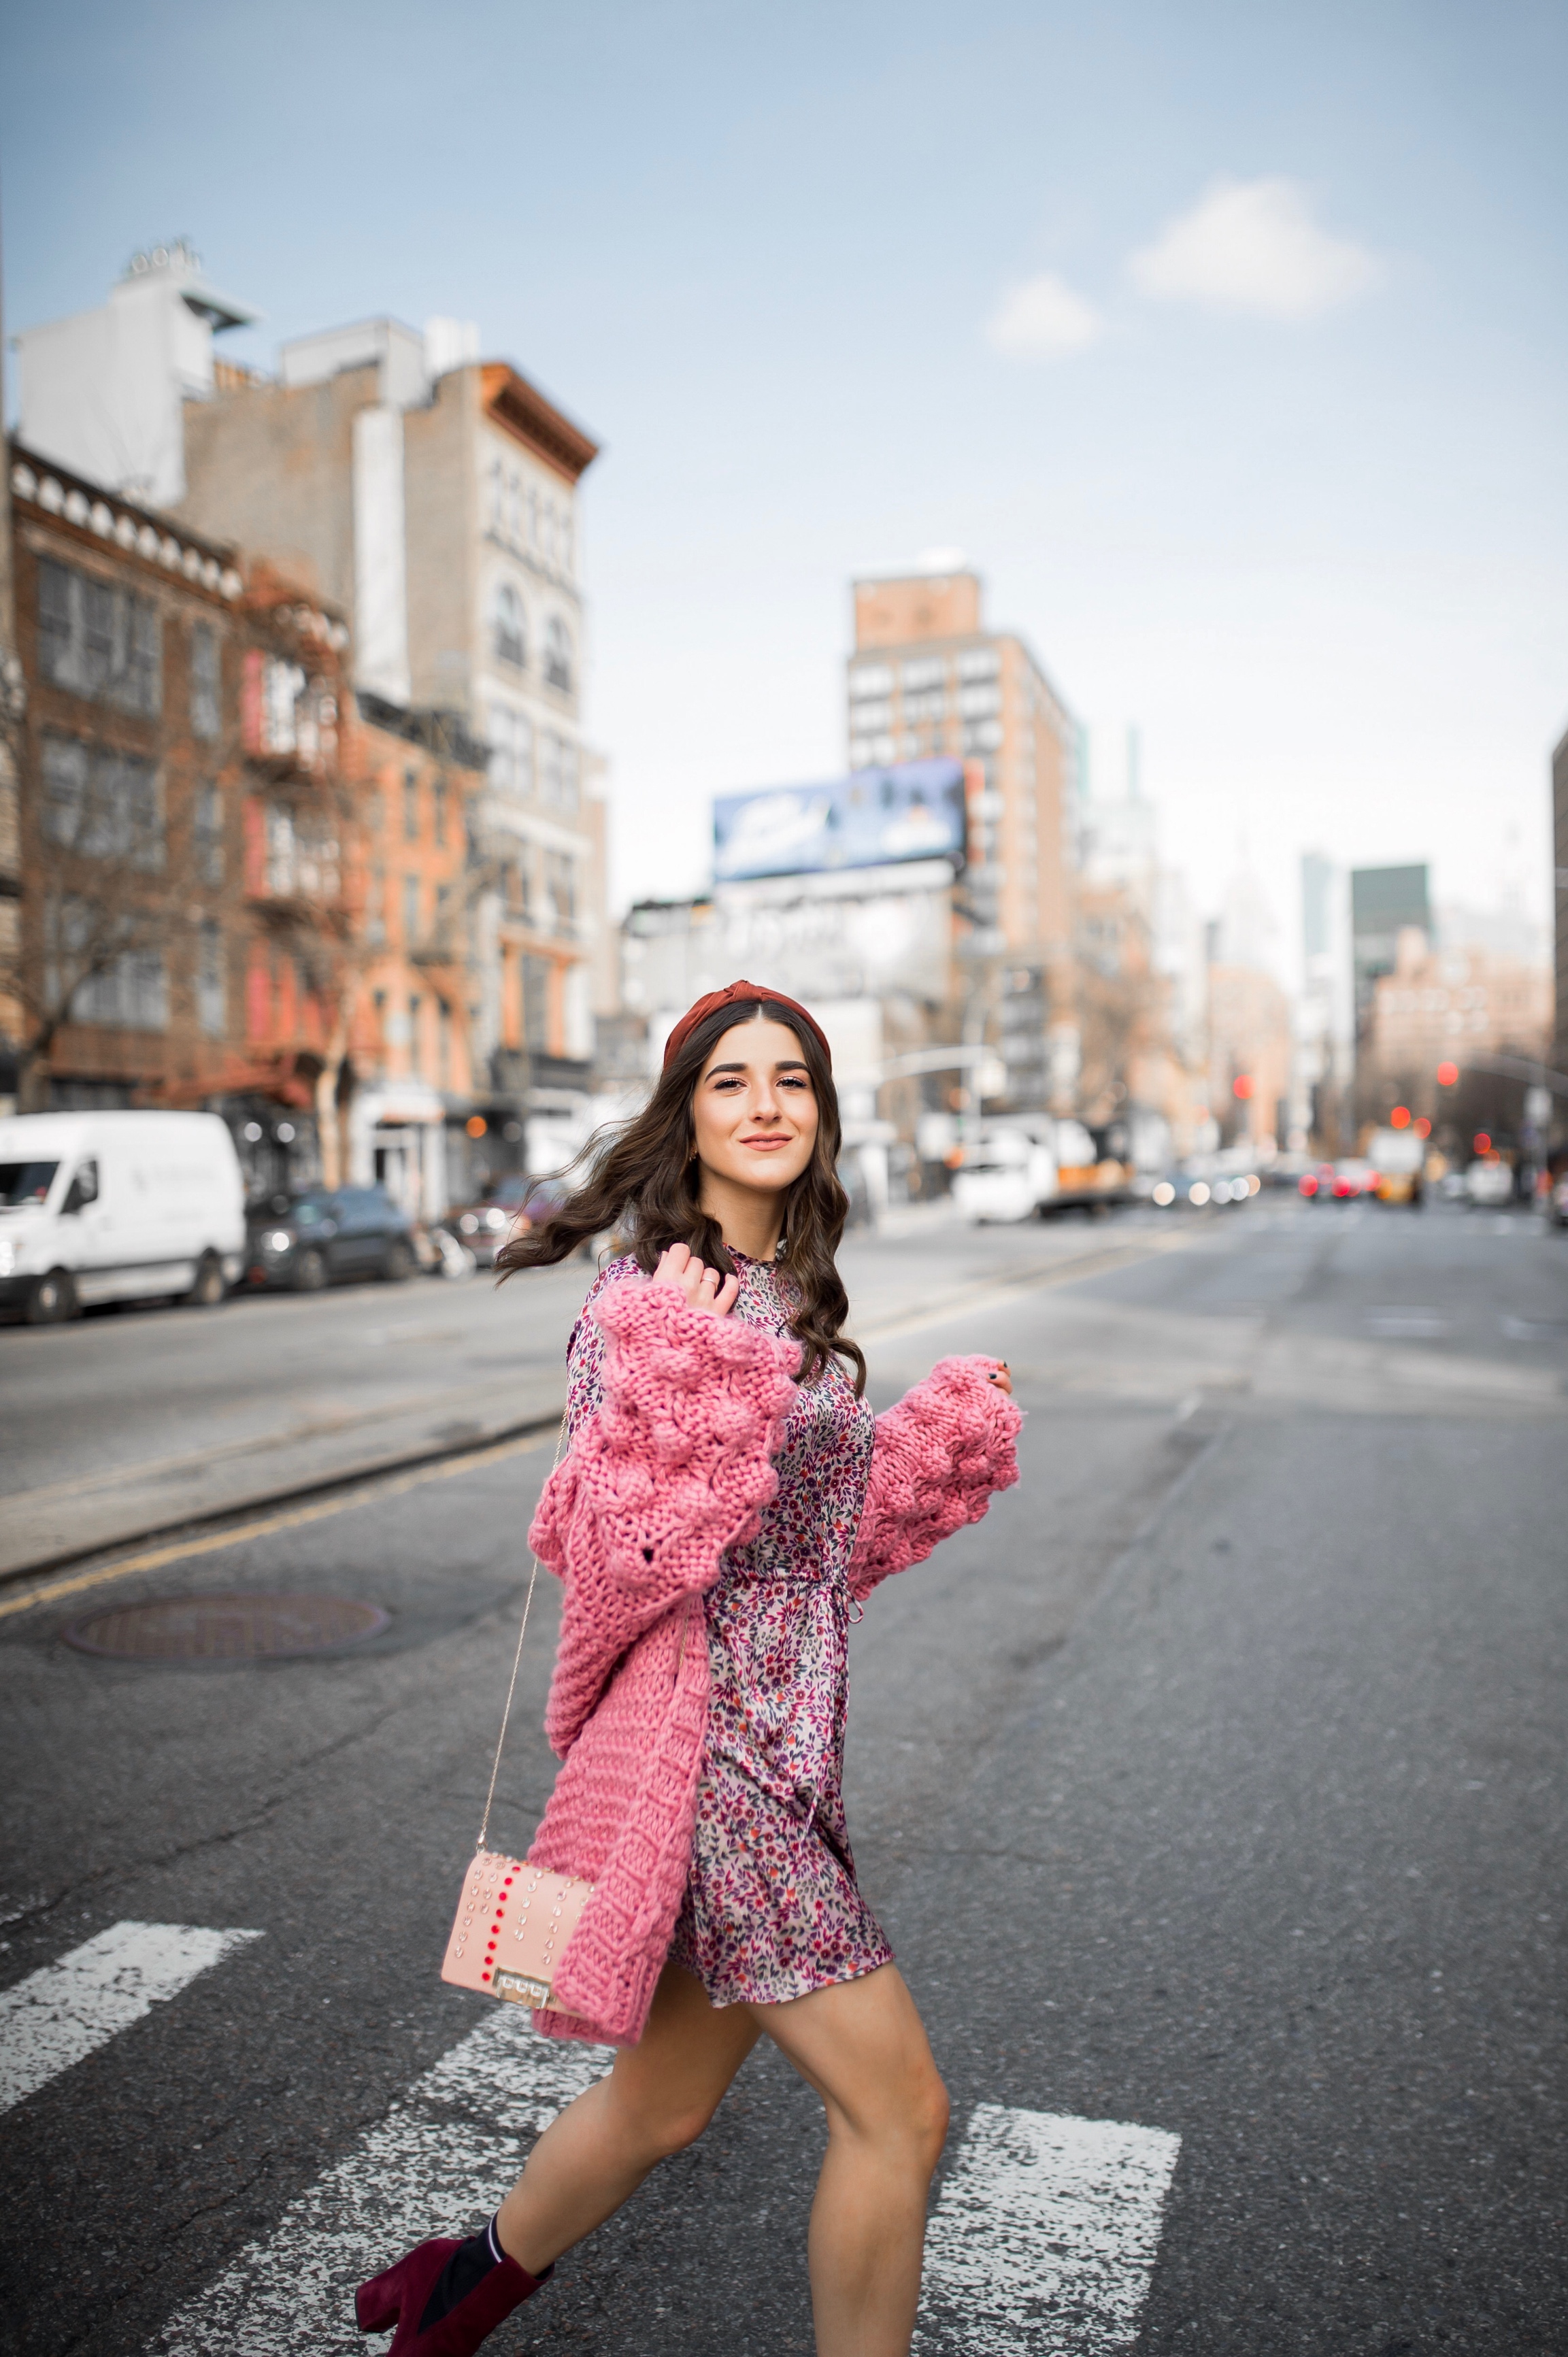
point(234, 891)
point(433, 501)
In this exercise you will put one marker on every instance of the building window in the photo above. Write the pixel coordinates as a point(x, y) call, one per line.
point(206, 835)
point(561, 886)
point(101, 804)
point(927, 671)
point(439, 798)
point(444, 1043)
point(127, 989)
point(415, 1045)
point(981, 662)
point(510, 631)
point(512, 751)
point(206, 714)
point(376, 911)
point(534, 974)
point(558, 655)
point(211, 996)
point(99, 639)
point(409, 910)
point(411, 806)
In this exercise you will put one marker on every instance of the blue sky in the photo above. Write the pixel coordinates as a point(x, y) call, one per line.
point(1231, 342)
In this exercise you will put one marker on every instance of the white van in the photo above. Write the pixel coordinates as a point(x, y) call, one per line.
point(1008, 1172)
point(117, 1207)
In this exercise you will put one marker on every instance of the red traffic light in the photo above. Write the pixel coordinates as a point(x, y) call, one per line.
point(1481, 1142)
point(1424, 1128)
point(1446, 1075)
point(1399, 1117)
point(1241, 1086)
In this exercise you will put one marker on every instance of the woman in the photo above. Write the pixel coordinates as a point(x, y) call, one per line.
point(728, 1502)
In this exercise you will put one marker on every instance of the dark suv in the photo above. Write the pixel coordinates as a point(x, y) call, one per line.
point(304, 1242)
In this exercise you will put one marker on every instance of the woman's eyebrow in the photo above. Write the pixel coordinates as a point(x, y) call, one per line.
point(785, 1065)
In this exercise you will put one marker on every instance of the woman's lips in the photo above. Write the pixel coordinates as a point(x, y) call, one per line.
point(765, 1145)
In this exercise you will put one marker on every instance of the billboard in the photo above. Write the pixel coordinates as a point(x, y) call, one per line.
point(876, 818)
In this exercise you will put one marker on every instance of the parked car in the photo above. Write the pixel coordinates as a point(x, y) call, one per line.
point(300, 1243)
point(510, 1207)
point(117, 1207)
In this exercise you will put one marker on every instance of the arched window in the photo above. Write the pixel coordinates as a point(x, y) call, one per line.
point(558, 654)
point(511, 636)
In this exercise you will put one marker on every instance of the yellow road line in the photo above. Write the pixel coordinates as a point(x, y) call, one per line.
point(181, 1550)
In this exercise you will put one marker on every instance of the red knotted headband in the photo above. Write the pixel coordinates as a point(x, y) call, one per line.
point(740, 994)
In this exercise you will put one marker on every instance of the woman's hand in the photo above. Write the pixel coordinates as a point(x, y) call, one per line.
point(1000, 1376)
point(700, 1288)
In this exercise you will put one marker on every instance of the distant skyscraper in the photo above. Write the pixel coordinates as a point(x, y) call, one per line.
point(1383, 901)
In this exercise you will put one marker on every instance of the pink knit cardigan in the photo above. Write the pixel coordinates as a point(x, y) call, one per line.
point(675, 1469)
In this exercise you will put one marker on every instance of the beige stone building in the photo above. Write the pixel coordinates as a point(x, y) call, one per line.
point(1445, 1004)
point(928, 677)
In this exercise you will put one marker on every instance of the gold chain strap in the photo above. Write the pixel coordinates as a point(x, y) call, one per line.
point(517, 1657)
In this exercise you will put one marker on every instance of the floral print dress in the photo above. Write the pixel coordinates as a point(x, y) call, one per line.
point(772, 1909)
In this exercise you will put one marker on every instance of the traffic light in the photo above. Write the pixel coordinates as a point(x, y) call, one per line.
point(1241, 1086)
point(1399, 1117)
point(1447, 1075)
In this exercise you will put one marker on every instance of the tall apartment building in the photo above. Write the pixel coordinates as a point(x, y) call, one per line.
point(927, 677)
point(433, 499)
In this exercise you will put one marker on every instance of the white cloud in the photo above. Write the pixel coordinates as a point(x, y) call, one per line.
point(1042, 318)
point(1252, 245)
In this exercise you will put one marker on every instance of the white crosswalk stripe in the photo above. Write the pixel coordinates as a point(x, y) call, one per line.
point(436, 2164)
point(1041, 2243)
point(60, 2013)
point(1043, 2239)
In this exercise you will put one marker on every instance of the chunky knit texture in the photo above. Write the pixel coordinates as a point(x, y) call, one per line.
point(939, 1454)
point(674, 1470)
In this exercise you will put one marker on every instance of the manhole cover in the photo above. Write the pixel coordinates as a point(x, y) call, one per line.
point(226, 1628)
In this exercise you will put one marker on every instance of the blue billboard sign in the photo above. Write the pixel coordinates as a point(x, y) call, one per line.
point(872, 819)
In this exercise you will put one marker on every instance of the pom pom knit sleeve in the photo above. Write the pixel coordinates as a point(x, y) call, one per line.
point(672, 1468)
point(939, 1456)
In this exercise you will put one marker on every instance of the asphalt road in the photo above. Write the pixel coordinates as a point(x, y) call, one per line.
point(1211, 1791)
point(138, 1418)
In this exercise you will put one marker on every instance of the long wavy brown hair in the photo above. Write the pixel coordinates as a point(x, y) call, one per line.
point(642, 1183)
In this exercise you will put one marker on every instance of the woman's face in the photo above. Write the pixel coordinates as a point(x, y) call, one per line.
point(755, 1109)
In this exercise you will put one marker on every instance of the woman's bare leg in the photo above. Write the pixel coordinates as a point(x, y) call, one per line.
point(862, 2046)
point(659, 2097)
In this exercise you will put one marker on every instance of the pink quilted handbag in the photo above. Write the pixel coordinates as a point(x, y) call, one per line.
point(513, 1919)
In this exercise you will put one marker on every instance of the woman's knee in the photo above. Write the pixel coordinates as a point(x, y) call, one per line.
point(659, 2129)
point(675, 2131)
point(930, 2115)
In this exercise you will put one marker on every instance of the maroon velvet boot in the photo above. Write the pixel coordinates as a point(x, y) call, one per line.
point(445, 2297)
